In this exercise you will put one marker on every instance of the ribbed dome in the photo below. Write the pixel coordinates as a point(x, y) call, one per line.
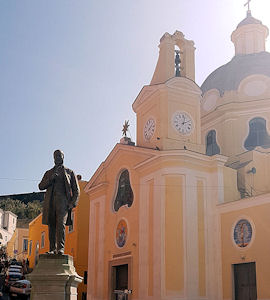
point(229, 76)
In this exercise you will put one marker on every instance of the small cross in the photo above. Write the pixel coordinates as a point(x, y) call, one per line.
point(247, 4)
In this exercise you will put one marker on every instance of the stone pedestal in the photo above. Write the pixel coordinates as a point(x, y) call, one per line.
point(54, 278)
point(126, 141)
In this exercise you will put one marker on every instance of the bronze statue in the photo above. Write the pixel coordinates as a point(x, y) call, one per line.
point(62, 194)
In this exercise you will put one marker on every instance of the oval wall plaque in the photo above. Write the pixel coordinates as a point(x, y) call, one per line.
point(121, 233)
point(242, 233)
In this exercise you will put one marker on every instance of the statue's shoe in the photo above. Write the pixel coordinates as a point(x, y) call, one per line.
point(61, 252)
point(51, 252)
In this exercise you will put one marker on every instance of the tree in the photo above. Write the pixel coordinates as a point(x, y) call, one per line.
point(33, 209)
point(23, 211)
point(15, 206)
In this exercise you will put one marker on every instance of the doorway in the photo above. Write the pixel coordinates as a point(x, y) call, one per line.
point(245, 281)
point(120, 280)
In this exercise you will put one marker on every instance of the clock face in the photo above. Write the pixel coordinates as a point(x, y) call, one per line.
point(149, 129)
point(182, 123)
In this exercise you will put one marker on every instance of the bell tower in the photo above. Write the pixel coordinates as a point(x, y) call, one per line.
point(168, 110)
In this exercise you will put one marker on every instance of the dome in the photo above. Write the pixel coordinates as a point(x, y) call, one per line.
point(229, 76)
point(249, 20)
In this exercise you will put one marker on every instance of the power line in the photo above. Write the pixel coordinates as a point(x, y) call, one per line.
point(18, 179)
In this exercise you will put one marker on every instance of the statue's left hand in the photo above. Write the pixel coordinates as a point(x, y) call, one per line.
point(70, 205)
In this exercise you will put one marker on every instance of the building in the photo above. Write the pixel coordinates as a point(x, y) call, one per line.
point(8, 221)
point(76, 239)
point(184, 214)
point(17, 247)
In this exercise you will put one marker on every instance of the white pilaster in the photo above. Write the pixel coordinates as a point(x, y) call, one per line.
point(94, 264)
point(191, 221)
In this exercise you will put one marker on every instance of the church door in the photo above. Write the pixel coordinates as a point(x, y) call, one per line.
point(245, 281)
point(120, 278)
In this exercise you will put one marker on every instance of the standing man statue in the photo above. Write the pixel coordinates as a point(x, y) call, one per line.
point(62, 194)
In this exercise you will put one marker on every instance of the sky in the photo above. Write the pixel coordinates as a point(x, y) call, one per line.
point(71, 69)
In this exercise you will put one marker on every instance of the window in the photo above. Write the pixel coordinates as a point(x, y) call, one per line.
point(36, 253)
point(25, 245)
point(71, 227)
point(212, 147)
point(124, 193)
point(85, 277)
point(42, 244)
point(258, 135)
point(84, 296)
point(30, 248)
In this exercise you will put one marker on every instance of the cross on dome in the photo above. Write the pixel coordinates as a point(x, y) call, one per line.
point(248, 5)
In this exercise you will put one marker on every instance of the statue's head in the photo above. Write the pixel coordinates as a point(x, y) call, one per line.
point(58, 156)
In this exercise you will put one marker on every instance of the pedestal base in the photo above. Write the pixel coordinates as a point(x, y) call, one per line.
point(54, 278)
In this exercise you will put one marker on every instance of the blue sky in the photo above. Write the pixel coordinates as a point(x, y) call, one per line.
point(71, 69)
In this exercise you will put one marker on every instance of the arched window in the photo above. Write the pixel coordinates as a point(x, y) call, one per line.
point(212, 147)
point(124, 194)
point(257, 135)
point(177, 62)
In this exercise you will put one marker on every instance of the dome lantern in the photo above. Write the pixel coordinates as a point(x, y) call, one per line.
point(249, 36)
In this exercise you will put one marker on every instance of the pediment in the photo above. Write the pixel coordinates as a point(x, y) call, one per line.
point(121, 157)
point(183, 84)
point(146, 92)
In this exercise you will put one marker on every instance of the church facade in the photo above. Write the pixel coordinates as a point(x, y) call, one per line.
point(184, 213)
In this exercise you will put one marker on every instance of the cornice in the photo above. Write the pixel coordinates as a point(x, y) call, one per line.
point(95, 188)
point(233, 110)
point(194, 157)
point(244, 203)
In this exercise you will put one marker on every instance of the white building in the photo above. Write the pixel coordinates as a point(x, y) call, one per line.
point(8, 222)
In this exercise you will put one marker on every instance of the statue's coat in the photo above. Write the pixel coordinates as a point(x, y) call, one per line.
point(71, 187)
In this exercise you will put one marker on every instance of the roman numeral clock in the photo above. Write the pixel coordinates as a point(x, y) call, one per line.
point(182, 123)
point(149, 129)
point(168, 116)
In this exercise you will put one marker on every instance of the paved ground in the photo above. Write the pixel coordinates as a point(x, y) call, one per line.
point(5, 297)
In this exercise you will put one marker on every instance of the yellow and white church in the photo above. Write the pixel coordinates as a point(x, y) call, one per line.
point(184, 213)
